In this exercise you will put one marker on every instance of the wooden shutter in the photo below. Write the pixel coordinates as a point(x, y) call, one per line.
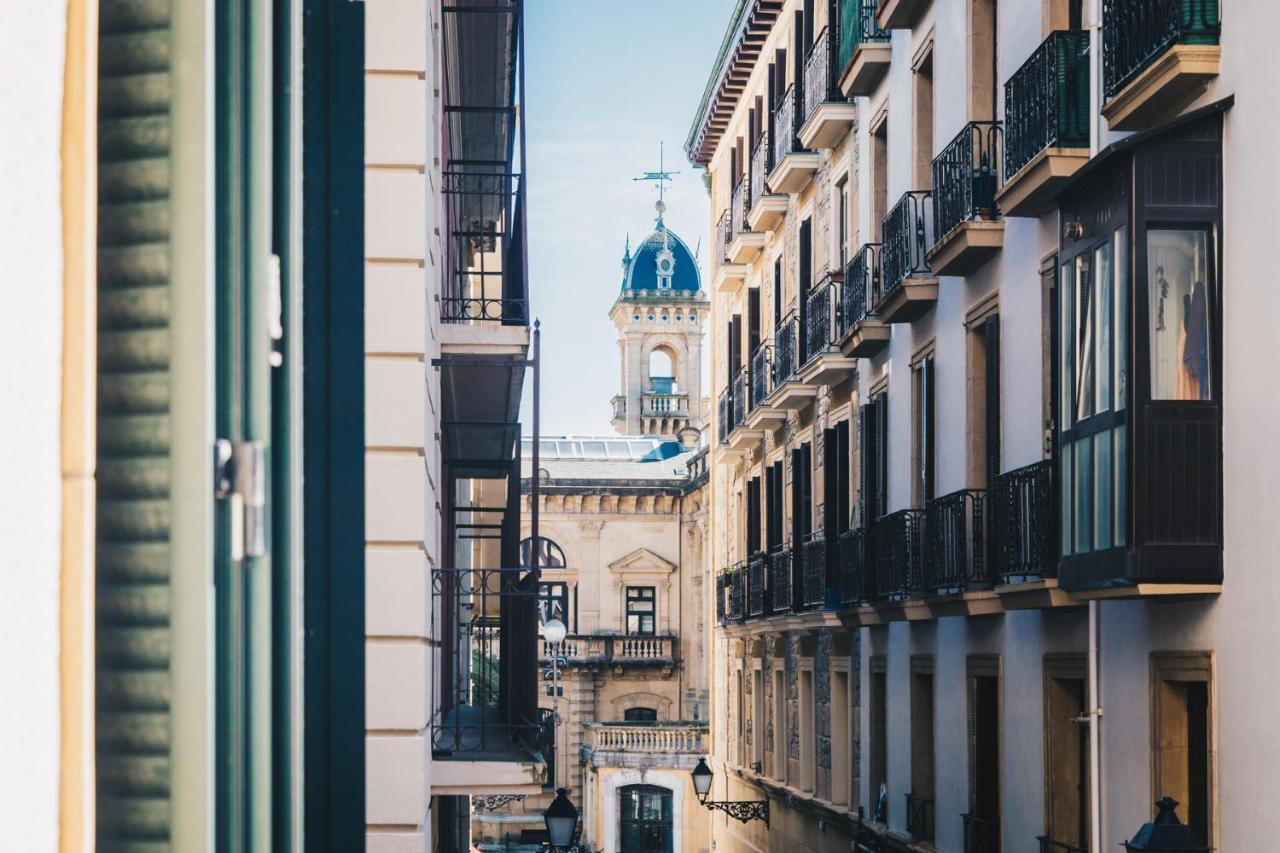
point(991, 333)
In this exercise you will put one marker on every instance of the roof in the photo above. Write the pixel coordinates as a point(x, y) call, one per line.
point(650, 258)
point(644, 460)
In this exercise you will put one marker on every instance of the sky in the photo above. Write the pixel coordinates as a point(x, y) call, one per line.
point(605, 81)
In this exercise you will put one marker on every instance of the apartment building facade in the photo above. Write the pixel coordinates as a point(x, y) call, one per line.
point(986, 466)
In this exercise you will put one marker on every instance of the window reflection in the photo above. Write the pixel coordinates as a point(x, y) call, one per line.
point(1178, 312)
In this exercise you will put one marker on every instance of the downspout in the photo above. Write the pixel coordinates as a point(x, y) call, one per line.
point(1095, 700)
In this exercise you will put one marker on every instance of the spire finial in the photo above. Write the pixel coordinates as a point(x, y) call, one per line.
point(660, 177)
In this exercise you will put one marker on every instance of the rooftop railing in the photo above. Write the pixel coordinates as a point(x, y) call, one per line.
point(908, 236)
point(1046, 101)
point(485, 279)
point(1136, 32)
point(965, 177)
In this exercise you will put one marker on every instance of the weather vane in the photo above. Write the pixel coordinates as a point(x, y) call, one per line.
point(659, 177)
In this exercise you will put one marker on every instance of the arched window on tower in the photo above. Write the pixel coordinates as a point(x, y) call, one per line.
point(550, 555)
point(662, 374)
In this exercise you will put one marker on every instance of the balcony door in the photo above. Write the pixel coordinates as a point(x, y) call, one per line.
point(645, 819)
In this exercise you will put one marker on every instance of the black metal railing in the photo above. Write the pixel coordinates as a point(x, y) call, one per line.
point(981, 835)
point(761, 374)
point(897, 546)
point(740, 387)
point(861, 280)
point(820, 73)
point(1022, 512)
point(857, 26)
point(855, 587)
point(785, 128)
point(786, 349)
point(908, 235)
point(780, 580)
point(761, 163)
point(724, 410)
point(757, 568)
point(919, 817)
point(722, 594)
point(1136, 32)
point(735, 605)
point(486, 280)
point(966, 177)
point(821, 317)
point(811, 585)
point(485, 695)
point(955, 543)
point(724, 236)
point(738, 207)
point(1046, 101)
point(1048, 845)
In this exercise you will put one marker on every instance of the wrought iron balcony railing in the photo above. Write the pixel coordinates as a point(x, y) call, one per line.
point(761, 374)
point(981, 835)
point(780, 580)
point(861, 281)
point(908, 236)
point(857, 25)
point(786, 349)
point(1022, 511)
point(757, 568)
point(1048, 845)
point(820, 73)
point(1046, 101)
point(722, 597)
point(920, 821)
point(724, 236)
point(724, 412)
point(740, 389)
point(811, 580)
point(821, 317)
point(735, 608)
point(1136, 32)
point(486, 280)
point(738, 207)
point(485, 697)
point(966, 177)
point(785, 128)
point(955, 543)
point(761, 164)
point(854, 557)
point(897, 543)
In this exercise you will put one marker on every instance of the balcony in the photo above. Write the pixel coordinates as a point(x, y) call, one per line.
point(908, 286)
point(734, 582)
point(742, 439)
point(896, 542)
point(1024, 537)
point(793, 167)
point(966, 222)
point(862, 335)
point(664, 405)
point(981, 835)
point(822, 362)
point(864, 48)
point(729, 277)
point(744, 245)
point(1046, 124)
point(760, 415)
point(780, 573)
point(757, 571)
point(854, 562)
point(600, 650)
point(957, 573)
point(811, 576)
point(676, 745)
point(789, 392)
point(767, 209)
point(484, 705)
point(828, 115)
point(1158, 56)
point(900, 14)
point(724, 415)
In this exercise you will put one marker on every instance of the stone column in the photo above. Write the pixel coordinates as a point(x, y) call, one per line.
point(589, 576)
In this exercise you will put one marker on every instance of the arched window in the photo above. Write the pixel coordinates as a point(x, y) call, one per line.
point(644, 819)
point(550, 555)
point(640, 715)
point(662, 372)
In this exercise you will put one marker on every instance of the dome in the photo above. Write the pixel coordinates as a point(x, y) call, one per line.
point(663, 257)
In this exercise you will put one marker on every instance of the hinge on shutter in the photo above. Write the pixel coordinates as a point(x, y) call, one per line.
point(240, 477)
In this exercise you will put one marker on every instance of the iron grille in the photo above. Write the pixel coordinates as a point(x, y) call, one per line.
point(761, 372)
point(858, 25)
point(784, 126)
point(908, 235)
point(854, 578)
point(761, 164)
point(898, 554)
point(1136, 32)
point(1023, 514)
point(819, 73)
point(861, 280)
point(1046, 101)
point(965, 177)
point(955, 542)
point(780, 579)
point(786, 353)
point(822, 316)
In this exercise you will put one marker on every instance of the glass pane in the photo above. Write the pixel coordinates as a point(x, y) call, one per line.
point(1102, 521)
point(1066, 333)
point(1103, 331)
point(1066, 501)
point(1122, 321)
point(1178, 299)
point(1084, 496)
point(1122, 483)
point(1084, 334)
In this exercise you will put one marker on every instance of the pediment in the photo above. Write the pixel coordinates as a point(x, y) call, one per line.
point(642, 561)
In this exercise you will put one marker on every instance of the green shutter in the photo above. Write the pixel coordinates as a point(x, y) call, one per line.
point(133, 501)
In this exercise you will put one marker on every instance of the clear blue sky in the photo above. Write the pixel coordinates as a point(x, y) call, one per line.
point(606, 80)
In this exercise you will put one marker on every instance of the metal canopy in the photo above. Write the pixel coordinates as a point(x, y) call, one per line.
point(480, 401)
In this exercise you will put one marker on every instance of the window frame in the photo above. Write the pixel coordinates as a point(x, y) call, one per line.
point(638, 599)
point(1174, 667)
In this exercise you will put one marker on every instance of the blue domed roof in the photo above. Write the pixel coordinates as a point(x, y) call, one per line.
point(651, 262)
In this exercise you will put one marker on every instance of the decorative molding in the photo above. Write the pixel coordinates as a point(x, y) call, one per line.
point(642, 561)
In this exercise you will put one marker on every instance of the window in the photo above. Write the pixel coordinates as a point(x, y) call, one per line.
point(550, 555)
point(753, 516)
point(641, 610)
point(923, 443)
point(779, 723)
point(801, 494)
point(757, 717)
point(920, 815)
point(774, 509)
point(640, 715)
point(842, 219)
point(554, 596)
point(982, 823)
point(879, 757)
point(923, 84)
point(983, 426)
point(1178, 314)
point(983, 77)
point(1066, 756)
point(842, 735)
point(808, 729)
point(879, 175)
point(662, 371)
point(1182, 737)
point(873, 439)
point(645, 819)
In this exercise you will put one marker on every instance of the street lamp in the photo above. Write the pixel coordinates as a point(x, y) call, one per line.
point(1165, 834)
point(554, 631)
point(562, 821)
point(743, 810)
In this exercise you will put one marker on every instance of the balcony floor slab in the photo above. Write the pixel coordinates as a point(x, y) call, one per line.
point(767, 212)
point(793, 395)
point(1035, 595)
point(746, 246)
point(965, 248)
point(866, 339)
point(729, 278)
point(899, 14)
point(1171, 83)
point(828, 368)
point(1031, 191)
point(745, 440)
point(766, 418)
point(866, 69)
point(829, 124)
point(794, 172)
point(909, 301)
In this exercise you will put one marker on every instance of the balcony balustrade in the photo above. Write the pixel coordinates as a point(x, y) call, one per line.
point(722, 597)
point(819, 76)
point(738, 207)
point(864, 51)
point(980, 834)
point(761, 375)
point(920, 818)
point(780, 570)
point(745, 245)
point(761, 163)
point(955, 557)
point(793, 165)
point(784, 127)
point(485, 699)
point(581, 650)
point(660, 405)
point(1023, 516)
point(907, 286)
point(821, 318)
point(786, 350)
point(966, 222)
point(729, 275)
point(757, 569)
point(861, 334)
point(1048, 845)
point(897, 546)
point(740, 388)
point(660, 738)
point(486, 280)
point(735, 608)
point(765, 207)
point(811, 579)
point(724, 413)
point(855, 576)
point(724, 235)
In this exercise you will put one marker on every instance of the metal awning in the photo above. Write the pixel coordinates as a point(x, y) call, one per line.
point(480, 402)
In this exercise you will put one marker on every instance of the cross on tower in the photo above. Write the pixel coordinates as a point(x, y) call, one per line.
point(659, 177)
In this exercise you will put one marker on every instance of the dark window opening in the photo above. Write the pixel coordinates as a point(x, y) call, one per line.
point(645, 819)
point(642, 605)
point(640, 715)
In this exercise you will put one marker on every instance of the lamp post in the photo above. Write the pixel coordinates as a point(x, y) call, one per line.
point(562, 822)
point(554, 631)
point(1165, 834)
point(743, 810)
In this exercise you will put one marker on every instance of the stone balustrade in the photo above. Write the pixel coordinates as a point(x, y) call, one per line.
point(665, 738)
point(603, 649)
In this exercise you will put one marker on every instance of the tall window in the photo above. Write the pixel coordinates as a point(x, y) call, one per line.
point(753, 516)
point(645, 819)
point(640, 715)
point(984, 402)
point(879, 176)
point(641, 610)
point(982, 823)
point(924, 442)
point(1066, 751)
point(920, 814)
point(923, 83)
point(554, 596)
point(873, 434)
point(842, 737)
point(808, 730)
point(879, 730)
point(1178, 314)
point(779, 723)
point(842, 219)
point(1182, 737)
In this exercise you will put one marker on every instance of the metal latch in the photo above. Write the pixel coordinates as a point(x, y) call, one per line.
point(240, 477)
